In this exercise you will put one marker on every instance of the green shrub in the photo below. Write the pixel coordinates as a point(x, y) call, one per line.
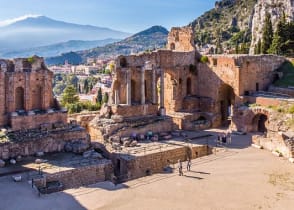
point(204, 59)
point(291, 109)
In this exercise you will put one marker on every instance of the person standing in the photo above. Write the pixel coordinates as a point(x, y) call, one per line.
point(189, 164)
point(229, 137)
point(180, 168)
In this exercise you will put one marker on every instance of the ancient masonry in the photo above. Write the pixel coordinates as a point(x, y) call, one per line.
point(32, 119)
point(157, 96)
point(189, 94)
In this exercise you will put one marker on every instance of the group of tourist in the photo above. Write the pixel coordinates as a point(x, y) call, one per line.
point(180, 166)
point(225, 137)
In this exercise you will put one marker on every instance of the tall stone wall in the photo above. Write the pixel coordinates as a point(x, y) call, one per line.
point(139, 166)
point(25, 85)
point(82, 176)
point(181, 39)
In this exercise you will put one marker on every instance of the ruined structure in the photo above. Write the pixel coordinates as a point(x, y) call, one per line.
point(31, 119)
point(26, 94)
point(196, 95)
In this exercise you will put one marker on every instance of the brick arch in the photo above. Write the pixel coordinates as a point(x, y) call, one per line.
point(37, 97)
point(19, 98)
point(226, 100)
point(258, 119)
point(116, 88)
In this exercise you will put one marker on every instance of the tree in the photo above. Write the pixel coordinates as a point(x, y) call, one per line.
point(99, 96)
point(91, 86)
point(279, 37)
point(267, 35)
point(69, 96)
point(72, 80)
point(105, 98)
point(86, 86)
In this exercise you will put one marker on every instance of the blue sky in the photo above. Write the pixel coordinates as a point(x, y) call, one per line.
point(126, 15)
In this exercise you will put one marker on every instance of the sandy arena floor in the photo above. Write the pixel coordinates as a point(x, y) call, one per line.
point(241, 177)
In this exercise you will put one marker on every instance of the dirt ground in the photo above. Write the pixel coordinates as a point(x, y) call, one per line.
point(240, 177)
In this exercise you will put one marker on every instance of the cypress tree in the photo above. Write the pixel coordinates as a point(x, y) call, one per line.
point(86, 86)
point(99, 96)
point(267, 35)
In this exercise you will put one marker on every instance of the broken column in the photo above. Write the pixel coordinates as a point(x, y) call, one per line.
point(162, 109)
point(154, 101)
point(129, 87)
point(143, 86)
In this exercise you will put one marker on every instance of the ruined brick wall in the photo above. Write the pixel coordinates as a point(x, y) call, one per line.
point(257, 72)
point(49, 142)
point(181, 39)
point(25, 84)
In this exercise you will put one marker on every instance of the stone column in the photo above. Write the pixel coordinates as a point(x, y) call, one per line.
point(129, 87)
point(161, 88)
point(116, 97)
point(154, 101)
point(142, 86)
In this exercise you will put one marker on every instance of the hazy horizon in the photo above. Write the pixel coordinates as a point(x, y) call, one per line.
point(132, 16)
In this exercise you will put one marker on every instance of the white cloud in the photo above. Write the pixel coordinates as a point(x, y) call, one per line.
point(13, 20)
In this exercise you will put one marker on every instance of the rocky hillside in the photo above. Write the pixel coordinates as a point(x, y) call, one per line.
point(275, 8)
point(152, 38)
point(238, 22)
point(228, 23)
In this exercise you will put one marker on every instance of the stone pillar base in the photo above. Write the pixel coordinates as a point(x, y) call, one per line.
point(162, 111)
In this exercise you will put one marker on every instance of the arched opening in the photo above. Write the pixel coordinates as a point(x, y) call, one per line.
point(116, 93)
point(19, 98)
point(38, 98)
point(133, 91)
point(276, 78)
point(172, 46)
point(226, 100)
point(189, 86)
point(145, 89)
point(259, 123)
point(123, 62)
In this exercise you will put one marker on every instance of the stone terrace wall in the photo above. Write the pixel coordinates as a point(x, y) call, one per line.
point(83, 119)
point(34, 121)
point(263, 101)
point(273, 143)
point(138, 165)
point(286, 91)
point(77, 177)
point(135, 110)
point(83, 176)
point(51, 142)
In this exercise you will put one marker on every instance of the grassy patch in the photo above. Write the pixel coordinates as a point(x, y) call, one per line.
point(288, 75)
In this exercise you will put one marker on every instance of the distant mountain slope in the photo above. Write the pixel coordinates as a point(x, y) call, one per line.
point(42, 31)
point(154, 37)
point(57, 49)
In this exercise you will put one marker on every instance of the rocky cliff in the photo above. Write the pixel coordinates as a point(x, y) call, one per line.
point(276, 8)
point(234, 22)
